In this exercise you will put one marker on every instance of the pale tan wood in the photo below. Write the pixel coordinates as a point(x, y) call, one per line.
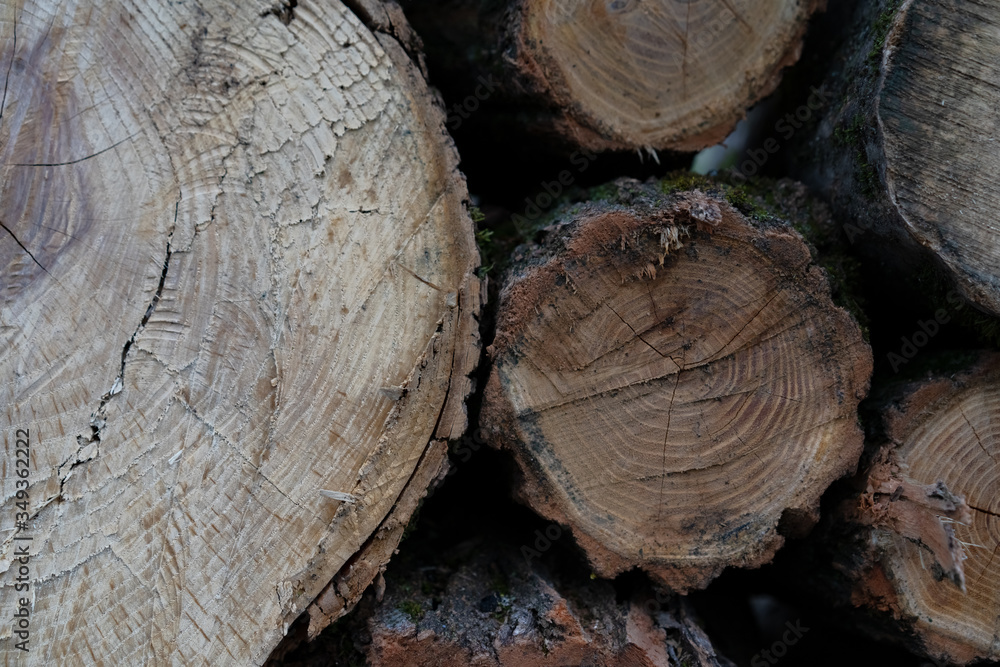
point(673, 381)
point(932, 502)
point(611, 74)
point(249, 282)
point(630, 74)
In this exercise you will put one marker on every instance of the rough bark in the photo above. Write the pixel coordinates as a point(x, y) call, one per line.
point(496, 610)
point(238, 320)
point(674, 381)
point(920, 541)
point(908, 150)
point(618, 74)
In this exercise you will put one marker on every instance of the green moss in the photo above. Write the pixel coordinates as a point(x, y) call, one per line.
point(752, 198)
point(487, 251)
point(500, 584)
point(853, 135)
point(503, 609)
point(850, 134)
point(746, 202)
point(606, 192)
point(483, 239)
point(866, 175)
point(679, 181)
point(880, 31)
point(412, 609)
point(476, 215)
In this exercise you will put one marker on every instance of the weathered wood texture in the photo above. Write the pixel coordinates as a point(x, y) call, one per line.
point(236, 271)
point(928, 509)
point(620, 74)
point(909, 150)
point(497, 611)
point(674, 381)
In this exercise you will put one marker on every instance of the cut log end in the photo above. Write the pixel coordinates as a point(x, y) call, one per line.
point(933, 499)
point(938, 109)
point(673, 380)
point(663, 74)
point(227, 229)
point(909, 150)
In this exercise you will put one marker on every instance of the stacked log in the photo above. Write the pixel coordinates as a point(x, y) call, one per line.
point(675, 382)
point(497, 609)
point(241, 319)
point(917, 544)
point(907, 154)
point(616, 74)
point(238, 311)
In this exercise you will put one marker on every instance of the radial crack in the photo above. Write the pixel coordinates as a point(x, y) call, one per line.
point(987, 512)
point(6, 82)
point(97, 418)
point(976, 433)
point(18, 242)
point(638, 335)
point(666, 436)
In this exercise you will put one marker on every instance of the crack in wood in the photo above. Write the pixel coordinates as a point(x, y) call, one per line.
point(76, 161)
point(18, 242)
point(284, 11)
point(979, 509)
point(638, 335)
point(976, 433)
point(97, 419)
point(10, 66)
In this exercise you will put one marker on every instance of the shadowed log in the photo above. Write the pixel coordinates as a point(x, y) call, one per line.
point(929, 511)
point(909, 154)
point(497, 611)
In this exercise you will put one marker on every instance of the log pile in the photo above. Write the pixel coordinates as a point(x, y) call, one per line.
point(242, 307)
point(498, 610)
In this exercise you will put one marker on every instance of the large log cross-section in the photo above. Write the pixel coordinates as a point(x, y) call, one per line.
point(236, 305)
